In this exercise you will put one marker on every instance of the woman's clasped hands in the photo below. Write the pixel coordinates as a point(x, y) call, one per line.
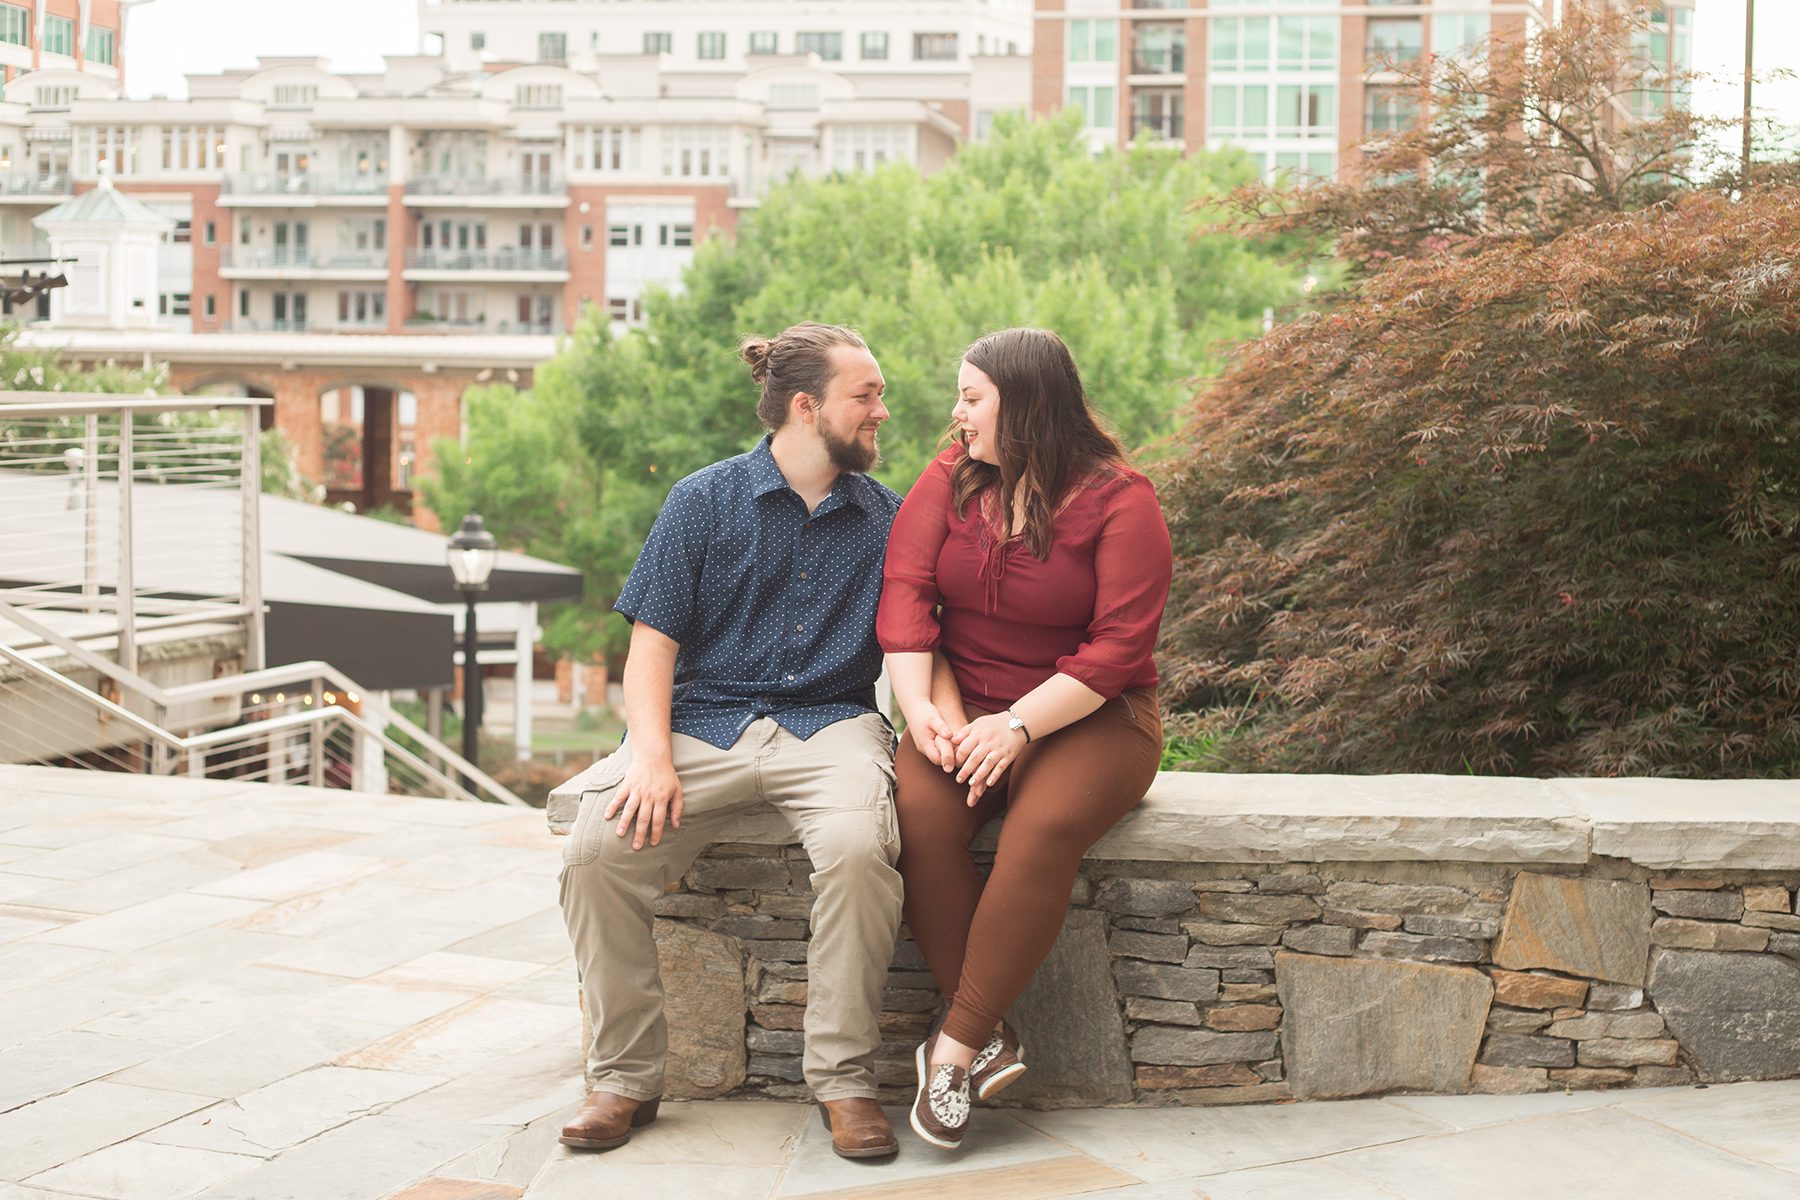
point(979, 752)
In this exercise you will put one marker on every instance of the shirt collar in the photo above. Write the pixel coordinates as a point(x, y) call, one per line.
point(766, 477)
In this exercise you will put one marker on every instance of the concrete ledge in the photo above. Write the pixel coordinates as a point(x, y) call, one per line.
point(1199, 817)
point(1697, 824)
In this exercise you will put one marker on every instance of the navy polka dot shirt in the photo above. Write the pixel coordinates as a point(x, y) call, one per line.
point(774, 608)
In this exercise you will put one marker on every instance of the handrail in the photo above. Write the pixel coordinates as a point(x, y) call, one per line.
point(296, 672)
point(83, 402)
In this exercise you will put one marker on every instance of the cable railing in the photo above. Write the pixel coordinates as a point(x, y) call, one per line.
point(304, 724)
point(129, 546)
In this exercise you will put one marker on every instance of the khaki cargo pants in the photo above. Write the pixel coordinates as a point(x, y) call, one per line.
point(836, 789)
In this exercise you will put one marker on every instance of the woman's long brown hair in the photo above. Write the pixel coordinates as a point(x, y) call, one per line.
point(1046, 434)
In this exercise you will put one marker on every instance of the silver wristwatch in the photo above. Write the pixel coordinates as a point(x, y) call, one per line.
point(1016, 723)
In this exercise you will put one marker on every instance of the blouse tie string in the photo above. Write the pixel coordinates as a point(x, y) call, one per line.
point(993, 566)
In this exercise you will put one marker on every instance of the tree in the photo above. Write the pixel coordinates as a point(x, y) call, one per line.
point(1030, 229)
point(1532, 508)
point(1522, 138)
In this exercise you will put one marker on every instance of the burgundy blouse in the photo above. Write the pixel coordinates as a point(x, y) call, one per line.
point(1007, 621)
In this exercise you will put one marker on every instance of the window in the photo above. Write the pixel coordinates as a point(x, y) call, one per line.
point(1395, 41)
point(294, 95)
point(865, 147)
point(763, 43)
point(1096, 105)
point(1457, 33)
point(1157, 113)
point(184, 231)
point(212, 307)
point(212, 234)
point(587, 237)
point(1305, 110)
point(54, 97)
point(1389, 109)
point(658, 43)
point(553, 47)
point(244, 227)
point(1319, 164)
point(185, 147)
point(180, 304)
point(696, 151)
point(478, 41)
point(874, 46)
point(538, 95)
point(793, 95)
point(711, 46)
point(15, 25)
point(114, 145)
point(362, 308)
point(1161, 50)
point(608, 148)
point(1093, 41)
point(828, 46)
point(101, 43)
point(618, 235)
point(619, 309)
point(934, 47)
point(59, 36)
point(244, 301)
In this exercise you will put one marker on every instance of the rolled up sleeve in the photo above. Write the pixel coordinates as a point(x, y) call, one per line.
point(1133, 563)
point(907, 620)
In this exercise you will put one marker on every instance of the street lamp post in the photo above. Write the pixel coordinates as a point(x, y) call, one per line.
point(471, 552)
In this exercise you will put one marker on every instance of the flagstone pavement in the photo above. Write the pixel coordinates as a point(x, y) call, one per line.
point(232, 991)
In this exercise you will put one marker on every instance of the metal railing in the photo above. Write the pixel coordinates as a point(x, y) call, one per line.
point(470, 185)
point(1167, 127)
point(246, 325)
point(297, 724)
point(112, 521)
point(1170, 60)
point(486, 260)
point(274, 257)
point(241, 183)
point(27, 182)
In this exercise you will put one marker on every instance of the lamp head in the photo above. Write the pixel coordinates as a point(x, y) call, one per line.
point(471, 552)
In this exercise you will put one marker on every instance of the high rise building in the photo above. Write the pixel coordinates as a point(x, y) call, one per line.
point(1293, 83)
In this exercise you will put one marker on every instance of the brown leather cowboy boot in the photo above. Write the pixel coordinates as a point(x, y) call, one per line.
point(605, 1121)
point(859, 1129)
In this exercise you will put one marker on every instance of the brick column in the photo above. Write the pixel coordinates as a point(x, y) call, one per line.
point(399, 236)
point(1193, 92)
point(440, 416)
point(1047, 51)
point(297, 416)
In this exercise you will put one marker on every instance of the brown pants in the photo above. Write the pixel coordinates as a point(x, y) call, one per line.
point(1067, 789)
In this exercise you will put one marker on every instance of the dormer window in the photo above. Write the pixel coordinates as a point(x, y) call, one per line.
point(538, 95)
point(295, 95)
point(54, 97)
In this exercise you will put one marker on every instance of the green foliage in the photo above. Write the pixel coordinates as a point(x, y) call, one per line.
point(1534, 509)
point(1110, 250)
point(29, 370)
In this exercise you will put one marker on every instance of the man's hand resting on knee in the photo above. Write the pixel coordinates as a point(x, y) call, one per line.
point(650, 794)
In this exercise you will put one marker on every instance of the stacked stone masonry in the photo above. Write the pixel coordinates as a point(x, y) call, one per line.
point(1183, 981)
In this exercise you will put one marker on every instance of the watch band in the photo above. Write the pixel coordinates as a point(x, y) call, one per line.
point(1018, 724)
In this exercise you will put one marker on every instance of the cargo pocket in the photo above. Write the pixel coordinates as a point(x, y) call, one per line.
point(590, 825)
point(888, 821)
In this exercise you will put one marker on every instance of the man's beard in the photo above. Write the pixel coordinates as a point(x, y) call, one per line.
point(850, 454)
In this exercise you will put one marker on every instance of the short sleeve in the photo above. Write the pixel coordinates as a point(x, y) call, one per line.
point(663, 588)
point(907, 620)
point(1133, 564)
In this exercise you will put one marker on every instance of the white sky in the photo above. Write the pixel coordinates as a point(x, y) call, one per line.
point(172, 38)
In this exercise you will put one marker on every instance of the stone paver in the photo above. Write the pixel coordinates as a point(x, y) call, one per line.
point(222, 991)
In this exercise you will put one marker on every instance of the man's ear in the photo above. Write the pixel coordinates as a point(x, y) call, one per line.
point(803, 407)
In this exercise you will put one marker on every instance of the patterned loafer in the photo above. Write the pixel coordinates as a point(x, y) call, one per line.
point(999, 1065)
point(940, 1113)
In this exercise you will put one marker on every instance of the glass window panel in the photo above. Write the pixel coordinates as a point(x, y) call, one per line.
point(1321, 165)
point(1256, 107)
point(1104, 115)
point(1322, 42)
point(1106, 41)
point(1081, 41)
point(1224, 107)
point(1225, 42)
point(1287, 108)
point(1256, 43)
point(1321, 109)
point(1290, 40)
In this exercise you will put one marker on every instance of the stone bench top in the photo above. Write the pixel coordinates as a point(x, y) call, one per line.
point(1191, 816)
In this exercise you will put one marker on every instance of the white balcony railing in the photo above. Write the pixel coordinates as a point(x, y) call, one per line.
point(461, 185)
point(240, 183)
point(486, 260)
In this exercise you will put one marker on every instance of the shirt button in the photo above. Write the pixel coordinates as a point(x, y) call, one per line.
point(803, 574)
point(800, 628)
point(790, 678)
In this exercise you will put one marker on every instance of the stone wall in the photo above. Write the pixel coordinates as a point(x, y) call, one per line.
point(1483, 945)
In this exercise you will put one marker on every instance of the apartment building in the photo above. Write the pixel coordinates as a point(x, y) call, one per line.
point(1294, 83)
point(502, 185)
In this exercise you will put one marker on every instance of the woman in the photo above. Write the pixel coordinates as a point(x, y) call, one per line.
point(1025, 579)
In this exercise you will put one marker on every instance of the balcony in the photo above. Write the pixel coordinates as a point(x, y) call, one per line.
point(27, 182)
point(494, 261)
point(467, 191)
point(1159, 50)
point(1165, 128)
point(298, 262)
point(424, 323)
point(245, 325)
point(304, 189)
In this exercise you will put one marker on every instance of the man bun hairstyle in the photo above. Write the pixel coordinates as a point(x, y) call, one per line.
point(799, 360)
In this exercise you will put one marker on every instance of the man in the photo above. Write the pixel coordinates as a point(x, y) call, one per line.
point(750, 679)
